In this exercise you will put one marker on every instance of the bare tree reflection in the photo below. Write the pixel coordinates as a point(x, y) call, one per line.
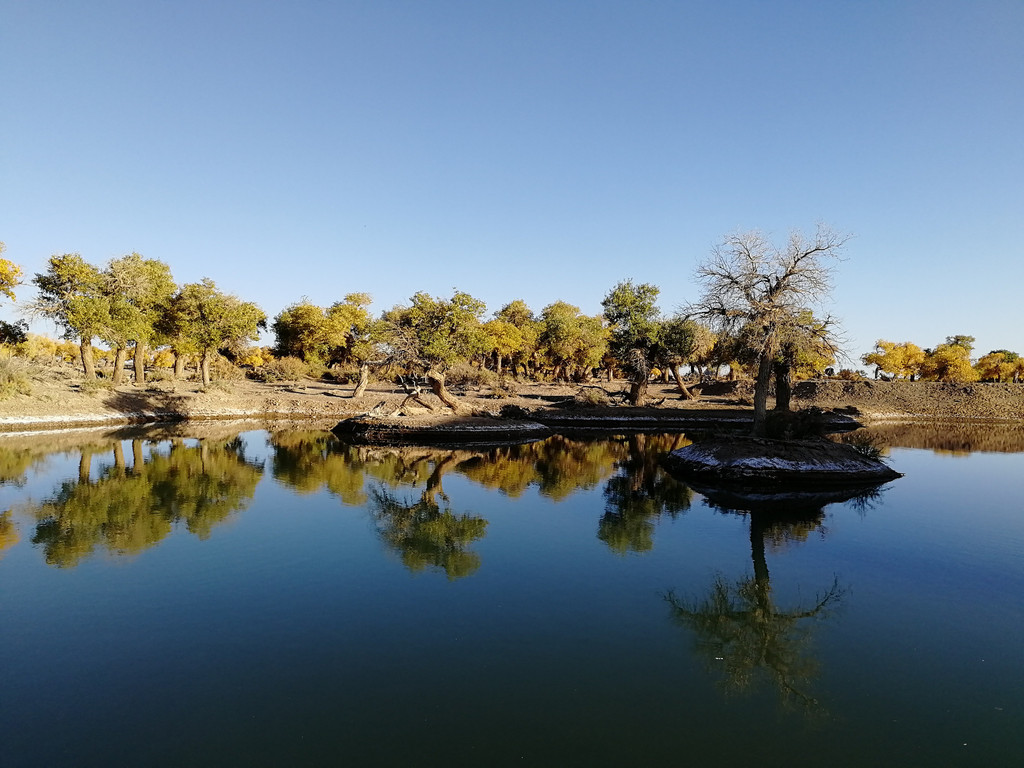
point(744, 636)
point(738, 628)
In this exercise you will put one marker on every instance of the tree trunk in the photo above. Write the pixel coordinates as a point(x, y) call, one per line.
point(638, 391)
point(204, 368)
point(436, 379)
point(497, 363)
point(119, 457)
point(664, 375)
point(678, 372)
point(364, 380)
point(764, 373)
point(757, 534)
point(140, 363)
point(85, 465)
point(87, 362)
point(119, 357)
point(138, 462)
point(783, 386)
point(179, 365)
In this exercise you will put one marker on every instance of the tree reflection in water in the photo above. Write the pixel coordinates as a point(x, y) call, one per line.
point(427, 533)
point(739, 630)
point(743, 634)
point(637, 497)
point(129, 509)
point(8, 532)
point(307, 461)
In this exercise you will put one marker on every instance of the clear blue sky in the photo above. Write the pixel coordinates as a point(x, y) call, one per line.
point(536, 150)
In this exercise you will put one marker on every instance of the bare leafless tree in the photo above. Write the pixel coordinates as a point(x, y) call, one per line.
point(753, 286)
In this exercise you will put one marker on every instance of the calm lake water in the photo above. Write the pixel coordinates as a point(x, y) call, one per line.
point(281, 598)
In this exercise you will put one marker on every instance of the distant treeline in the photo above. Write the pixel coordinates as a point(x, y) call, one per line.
point(133, 305)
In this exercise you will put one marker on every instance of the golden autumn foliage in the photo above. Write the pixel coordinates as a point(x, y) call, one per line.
point(902, 360)
point(8, 532)
point(256, 357)
point(10, 274)
point(949, 362)
point(1000, 365)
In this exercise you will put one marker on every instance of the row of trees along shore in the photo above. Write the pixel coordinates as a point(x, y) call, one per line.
point(759, 314)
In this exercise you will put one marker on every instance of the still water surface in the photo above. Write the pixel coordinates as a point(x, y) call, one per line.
point(285, 599)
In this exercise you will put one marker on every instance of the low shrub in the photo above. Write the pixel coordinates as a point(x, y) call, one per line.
point(14, 377)
point(224, 370)
point(513, 412)
point(865, 444)
point(504, 387)
point(465, 376)
point(159, 374)
point(95, 386)
point(848, 375)
point(284, 369)
point(591, 397)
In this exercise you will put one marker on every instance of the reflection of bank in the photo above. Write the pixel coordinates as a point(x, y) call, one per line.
point(948, 436)
point(739, 630)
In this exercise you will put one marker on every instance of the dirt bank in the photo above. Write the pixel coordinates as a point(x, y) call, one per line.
point(909, 399)
point(62, 400)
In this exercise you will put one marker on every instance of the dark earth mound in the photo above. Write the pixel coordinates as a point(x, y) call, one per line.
point(751, 461)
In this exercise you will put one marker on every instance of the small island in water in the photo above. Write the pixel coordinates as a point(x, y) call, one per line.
point(752, 461)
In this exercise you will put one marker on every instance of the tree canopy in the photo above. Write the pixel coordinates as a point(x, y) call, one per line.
point(208, 320)
point(751, 284)
point(634, 321)
point(139, 291)
point(73, 294)
point(10, 274)
point(573, 343)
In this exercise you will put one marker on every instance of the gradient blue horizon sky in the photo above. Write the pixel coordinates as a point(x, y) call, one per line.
point(533, 150)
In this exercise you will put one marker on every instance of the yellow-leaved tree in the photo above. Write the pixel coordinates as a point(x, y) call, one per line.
point(10, 274)
point(1000, 365)
point(950, 361)
point(902, 360)
point(503, 340)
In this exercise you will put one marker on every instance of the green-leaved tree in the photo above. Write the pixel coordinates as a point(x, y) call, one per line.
point(634, 320)
point(73, 294)
point(204, 319)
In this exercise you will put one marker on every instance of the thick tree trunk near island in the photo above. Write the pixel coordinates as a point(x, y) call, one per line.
point(783, 386)
point(638, 392)
point(764, 373)
point(436, 379)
